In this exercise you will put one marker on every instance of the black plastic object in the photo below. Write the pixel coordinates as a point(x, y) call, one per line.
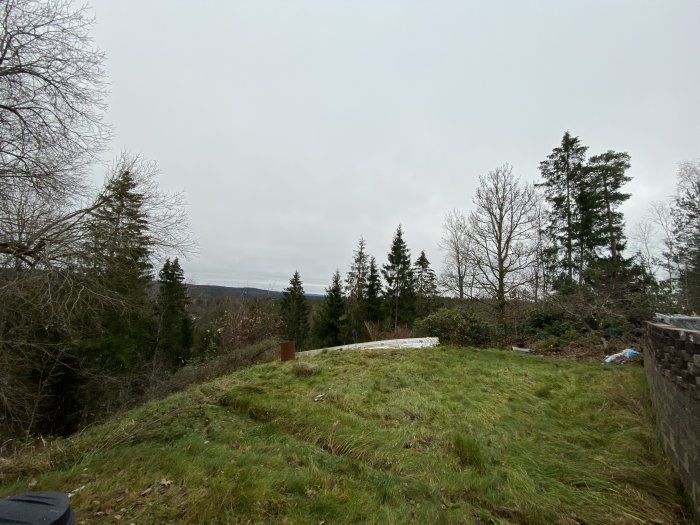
point(37, 508)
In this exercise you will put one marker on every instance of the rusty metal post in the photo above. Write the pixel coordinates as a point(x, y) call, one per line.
point(287, 350)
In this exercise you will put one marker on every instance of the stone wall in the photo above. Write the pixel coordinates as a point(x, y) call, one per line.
point(672, 365)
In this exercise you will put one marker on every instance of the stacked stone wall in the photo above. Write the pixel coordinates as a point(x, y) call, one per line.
point(672, 365)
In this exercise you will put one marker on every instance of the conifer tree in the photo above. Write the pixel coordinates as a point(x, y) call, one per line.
point(174, 334)
point(426, 285)
point(586, 228)
point(399, 292)
point(117, 256)
point(329, 325)
point(119, 243)
point(374, 293)
point(294, 309)
point(356, 284)
point(564, 172)
point(607, 176)
point(356, 280)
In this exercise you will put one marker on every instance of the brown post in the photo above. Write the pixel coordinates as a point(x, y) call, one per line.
point(288, 349)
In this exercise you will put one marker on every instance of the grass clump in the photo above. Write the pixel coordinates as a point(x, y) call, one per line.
point(444, 435)
point(304, 368)
point(469, 451)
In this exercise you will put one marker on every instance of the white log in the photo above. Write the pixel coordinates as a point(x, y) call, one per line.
point(391, 344)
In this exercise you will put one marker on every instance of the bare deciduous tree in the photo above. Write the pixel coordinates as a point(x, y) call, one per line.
point(541, 263)
point(38, 230)
point(686, 229)
point(643, 237)
point(660, 216)
point(502, 226)
point(52, 93)
point(457, 273)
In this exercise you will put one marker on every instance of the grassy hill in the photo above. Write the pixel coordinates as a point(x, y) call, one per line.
point(445, 435)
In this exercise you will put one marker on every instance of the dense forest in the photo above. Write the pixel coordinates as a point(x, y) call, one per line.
point(94, 310)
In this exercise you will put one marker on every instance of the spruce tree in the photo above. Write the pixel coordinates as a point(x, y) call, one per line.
point(174, 334)
point(374, 293)
point(426, 286)
point(119, 245)
point(399, 292)
point(329, 325)
point(117, 256)
point(294, 309)
point(356, 280)
point(356, 284)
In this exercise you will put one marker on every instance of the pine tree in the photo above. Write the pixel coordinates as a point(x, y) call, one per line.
point(329, 325)
point(565, 190)
point(607, 176)
point(426, 286)
point(174, 335)
point(399, 292)
point(295, 313)
point(356, 284)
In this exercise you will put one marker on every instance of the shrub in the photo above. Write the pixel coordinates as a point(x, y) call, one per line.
point(457, 327)
point(544, 322)
point(225, 325)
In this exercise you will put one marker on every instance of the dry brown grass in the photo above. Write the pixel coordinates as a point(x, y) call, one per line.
point(262, 352)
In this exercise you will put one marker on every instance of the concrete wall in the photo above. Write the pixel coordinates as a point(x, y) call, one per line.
point(672, 365)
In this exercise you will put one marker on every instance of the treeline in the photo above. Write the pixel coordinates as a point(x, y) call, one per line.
point(86, 320)
point(87, 315)
point(370, 303)
point(94, 314)
point(546, 262)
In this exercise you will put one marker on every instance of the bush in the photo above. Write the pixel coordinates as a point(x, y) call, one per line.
point(544, 322)
point(225, 325)
point(456, 327)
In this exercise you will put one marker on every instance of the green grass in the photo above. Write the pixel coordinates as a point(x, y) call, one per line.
point(446, 435)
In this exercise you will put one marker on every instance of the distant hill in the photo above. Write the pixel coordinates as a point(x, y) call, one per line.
point(214, 291)
point(210, 290)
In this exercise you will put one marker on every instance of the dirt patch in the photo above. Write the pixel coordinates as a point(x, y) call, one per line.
point(590, 351)
point(577, 353)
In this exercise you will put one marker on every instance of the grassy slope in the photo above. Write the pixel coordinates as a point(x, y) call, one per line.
point(444, 435)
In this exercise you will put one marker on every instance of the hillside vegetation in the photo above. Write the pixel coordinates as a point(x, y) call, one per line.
point(446, 435)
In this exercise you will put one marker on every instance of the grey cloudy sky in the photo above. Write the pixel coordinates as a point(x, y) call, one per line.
point(294, 127)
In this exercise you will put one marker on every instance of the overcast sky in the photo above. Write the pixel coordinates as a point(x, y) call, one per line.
point(295, 127)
